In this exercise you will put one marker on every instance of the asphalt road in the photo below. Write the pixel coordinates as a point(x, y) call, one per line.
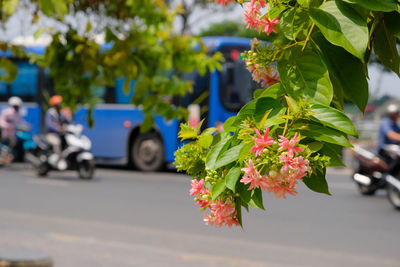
point(126, 218)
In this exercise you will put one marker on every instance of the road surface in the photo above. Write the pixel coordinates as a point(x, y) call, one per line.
point(127, 218)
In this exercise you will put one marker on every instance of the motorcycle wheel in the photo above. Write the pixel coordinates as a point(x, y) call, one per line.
point(393, 195)
point(366, 190)
point(43, 169)
point(86, 169)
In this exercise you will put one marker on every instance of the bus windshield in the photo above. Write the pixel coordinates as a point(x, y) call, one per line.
point(236, 85)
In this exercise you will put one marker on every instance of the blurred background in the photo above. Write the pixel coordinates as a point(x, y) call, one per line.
point(136, 209)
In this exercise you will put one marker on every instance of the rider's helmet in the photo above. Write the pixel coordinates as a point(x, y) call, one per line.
point(55, 100)
point(392, 109)
point(15, 101)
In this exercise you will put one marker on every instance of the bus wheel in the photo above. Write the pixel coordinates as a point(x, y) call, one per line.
point(148, 152)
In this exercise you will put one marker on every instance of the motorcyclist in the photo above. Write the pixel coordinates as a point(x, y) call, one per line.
point(389, 131)
point(55, 121)
point(10, 118)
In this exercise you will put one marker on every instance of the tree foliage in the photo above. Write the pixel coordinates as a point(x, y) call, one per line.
point(140, 45)
point(295, 129)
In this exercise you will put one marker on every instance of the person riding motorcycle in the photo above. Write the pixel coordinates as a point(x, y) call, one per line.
point(55, 121)
point(10, 118)
point(389, 131)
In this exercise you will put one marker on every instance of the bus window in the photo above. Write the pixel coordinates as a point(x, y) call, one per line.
point(236, 85)
point(201, 86)
point(25, 84)
point(105, 94)
point(3, 88)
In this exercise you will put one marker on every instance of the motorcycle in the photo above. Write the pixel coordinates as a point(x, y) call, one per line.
point(373, 172)
point(5, 155)
point(369, 171)
point(76, 154)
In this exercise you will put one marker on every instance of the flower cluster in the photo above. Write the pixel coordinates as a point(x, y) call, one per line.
point(280, 179)
point(264, 75)
point(254, 19)
point(221, 212)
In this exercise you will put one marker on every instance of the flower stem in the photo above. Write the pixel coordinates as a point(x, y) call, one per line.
point(286, 124)
point(308, 37)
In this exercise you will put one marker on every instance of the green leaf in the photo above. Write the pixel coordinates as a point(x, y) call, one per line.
point(238, 208)
point(229, 156)
point(187, 132)
point(256, 109)
point(256, 200)
point(347, 70)
point(294, 22)
point(9, 70)
point(386, 49)
point(205, 141)
point(147, 124)
point(244, 192)
point(333, 118)
point(315, 146)
point(317, 182)
point(9, 6)
point(228, 124)
point(375, 5)
point(342, 26)
point(208, 131)
point(53, 7)
point(39, 32)
point(217, 189)
point(60, 7)
point(392, 22)
point(275, 91)
point(266, 104)
point(232, 177)
point(273, 121)
point(325, 134)
point(216, 149)
point(303, 75)
point(292, 104)
point(245, 152)
point(88, 27)
point(329, 151)
point(309, 3)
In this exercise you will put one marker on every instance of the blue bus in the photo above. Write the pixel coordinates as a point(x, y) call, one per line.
point(116, 138)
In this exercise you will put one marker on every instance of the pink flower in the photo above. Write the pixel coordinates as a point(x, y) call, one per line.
point(264, 75)
point(261, 3)
point(261, 142)
point(268, 25)
point(290, 145)
point(271, 79)
point(285, 188)
point(221, 213)
point(280, 186)
point(203, 198)
point(294, 168)
point(252, 177)
point(251, 17)
point(223, 2)
point(197, 186)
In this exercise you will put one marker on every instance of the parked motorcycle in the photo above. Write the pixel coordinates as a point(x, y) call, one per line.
point(76, 154)
point(373, 172)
